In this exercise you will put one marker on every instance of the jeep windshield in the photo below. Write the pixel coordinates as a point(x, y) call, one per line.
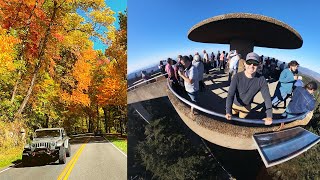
point(47, 133)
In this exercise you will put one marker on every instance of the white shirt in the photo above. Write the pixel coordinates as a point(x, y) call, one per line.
point(205, 57)
point(200, 67)
point(233, 64)
point(191, 73)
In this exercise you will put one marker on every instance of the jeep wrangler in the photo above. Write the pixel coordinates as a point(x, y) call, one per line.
point(49, 144)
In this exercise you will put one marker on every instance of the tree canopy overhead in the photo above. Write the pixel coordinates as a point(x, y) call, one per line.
point(50, 74)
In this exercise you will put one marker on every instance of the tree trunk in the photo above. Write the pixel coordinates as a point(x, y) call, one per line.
point(21, 54)
point(98, 119)
point(83, 119)
point(15, 89)
point(88, 123)
point(42, 48)
point(47, 121)
point(121, 126)
point(26, 99)
point(105, 119)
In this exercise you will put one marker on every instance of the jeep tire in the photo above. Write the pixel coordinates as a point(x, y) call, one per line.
point(62, 155)
point(69, 150)
point(26, 160)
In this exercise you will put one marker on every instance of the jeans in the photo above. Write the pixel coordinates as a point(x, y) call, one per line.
point(278, 97)
point(221, 65)
point(287, 114)
point(202, 86)
point(194, 96)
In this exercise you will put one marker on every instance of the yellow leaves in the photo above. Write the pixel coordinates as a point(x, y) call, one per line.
point(82, 73)
point(73, 20)
point(85, 4)
point(111, 34)
point(77, 97)
point(7, 51)
point(46, 91)
point(104, 17)
point(113, 91)
point(113, 87)
point(77, 40)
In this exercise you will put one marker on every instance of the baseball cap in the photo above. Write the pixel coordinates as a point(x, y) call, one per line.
point(253, 56)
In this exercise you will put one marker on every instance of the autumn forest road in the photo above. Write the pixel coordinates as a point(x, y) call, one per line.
point(91, 158)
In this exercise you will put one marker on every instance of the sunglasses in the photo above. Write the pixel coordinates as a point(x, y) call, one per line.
point(255, 63)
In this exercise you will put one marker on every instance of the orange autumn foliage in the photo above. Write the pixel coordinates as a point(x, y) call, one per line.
point(7, 51)
point(82, 73)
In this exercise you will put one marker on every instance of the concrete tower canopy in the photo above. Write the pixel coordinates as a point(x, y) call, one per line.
point(243, 31)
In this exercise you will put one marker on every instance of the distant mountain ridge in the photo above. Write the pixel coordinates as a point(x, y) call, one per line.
point(309, 73)
point(148, 69)
point(154, 67)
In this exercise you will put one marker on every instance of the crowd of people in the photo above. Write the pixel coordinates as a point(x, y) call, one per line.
point(246, 76)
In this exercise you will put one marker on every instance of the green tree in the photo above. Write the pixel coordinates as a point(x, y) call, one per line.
point(169, 154)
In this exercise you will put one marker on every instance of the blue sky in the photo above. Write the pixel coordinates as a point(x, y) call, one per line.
point(117, 6)
point(158, 29)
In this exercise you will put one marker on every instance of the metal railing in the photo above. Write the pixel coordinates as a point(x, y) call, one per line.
point(146, 81)
point(250, 121)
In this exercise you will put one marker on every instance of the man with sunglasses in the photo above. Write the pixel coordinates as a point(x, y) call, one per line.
point(243, 88)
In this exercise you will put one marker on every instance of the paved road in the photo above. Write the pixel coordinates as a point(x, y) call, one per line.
point(96, 159)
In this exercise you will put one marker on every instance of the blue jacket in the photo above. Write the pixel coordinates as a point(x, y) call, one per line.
point(286, 81)
point(302, 101)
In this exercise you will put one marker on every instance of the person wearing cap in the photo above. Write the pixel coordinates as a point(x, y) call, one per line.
point(243, 88)
point(197, 63)
point(190, 77)
point(285, 84)
point(233, 63)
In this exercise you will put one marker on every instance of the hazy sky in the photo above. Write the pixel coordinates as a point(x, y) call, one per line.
point(158, 29)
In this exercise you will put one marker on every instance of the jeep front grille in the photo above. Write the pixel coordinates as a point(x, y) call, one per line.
point(44, 144)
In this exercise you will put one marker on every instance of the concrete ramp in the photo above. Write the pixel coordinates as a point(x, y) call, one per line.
point(148, 91)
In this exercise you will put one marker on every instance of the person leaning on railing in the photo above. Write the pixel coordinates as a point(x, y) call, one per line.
point(244, 86)
point(302, 100)
point(190, 77)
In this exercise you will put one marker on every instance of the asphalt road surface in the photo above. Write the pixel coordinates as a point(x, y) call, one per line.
point(91, 158)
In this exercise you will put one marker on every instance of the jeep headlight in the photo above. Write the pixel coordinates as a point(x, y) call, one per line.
point(53, 143)
point(33, 145)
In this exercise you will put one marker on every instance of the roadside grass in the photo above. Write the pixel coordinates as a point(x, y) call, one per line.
point(9, 156)
point(118, 141)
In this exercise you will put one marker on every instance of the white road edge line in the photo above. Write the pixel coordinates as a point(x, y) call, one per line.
point(9, 168)
point(115, 146)
point(142, 117)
